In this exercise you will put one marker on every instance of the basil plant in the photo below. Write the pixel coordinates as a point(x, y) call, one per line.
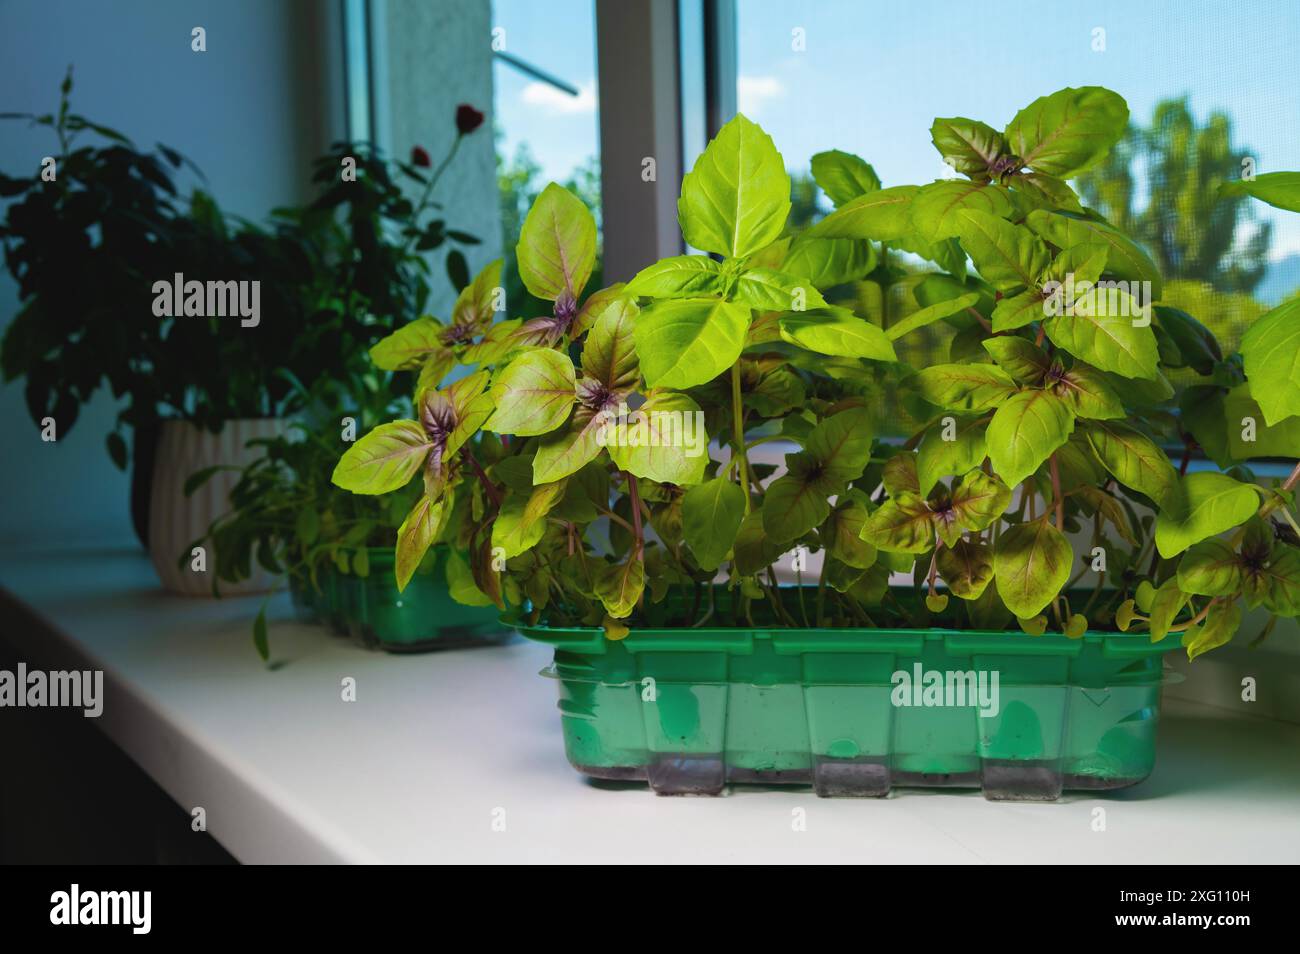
point(602, 464)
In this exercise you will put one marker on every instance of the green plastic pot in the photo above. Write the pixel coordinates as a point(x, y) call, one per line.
point(691, 710)
point(421, 618)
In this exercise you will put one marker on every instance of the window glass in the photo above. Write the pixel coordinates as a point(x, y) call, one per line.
point(1209, 85)
point(547, 116)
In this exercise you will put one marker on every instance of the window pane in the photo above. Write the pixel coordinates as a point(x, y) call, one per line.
point(1208, 86)
point(544, 133)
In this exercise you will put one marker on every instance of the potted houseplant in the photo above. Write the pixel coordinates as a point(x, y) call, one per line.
point(108, 214)
point(169, 306)
point(1057, 552)
point(347, 558)
point(334, 550)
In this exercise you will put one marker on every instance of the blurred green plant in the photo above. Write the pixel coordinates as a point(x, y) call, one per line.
point(334, 276)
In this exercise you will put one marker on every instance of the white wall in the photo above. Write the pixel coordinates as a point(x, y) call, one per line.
point(251, 112)
point(430, 56)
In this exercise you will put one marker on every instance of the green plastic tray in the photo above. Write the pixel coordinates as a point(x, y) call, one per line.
point(691, 710)
point(422, 618)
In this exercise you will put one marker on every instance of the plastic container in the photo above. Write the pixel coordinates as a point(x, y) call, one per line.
point(421, 618)
point(691, 710)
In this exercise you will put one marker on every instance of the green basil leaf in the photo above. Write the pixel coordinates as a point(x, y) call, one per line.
point(978, 500)
point(767, 289)
point(1221, 624)
point(1080, 264)
point(1205, 505)
point(619, 585)
point(968, 146)
point(1124, 259)
point(1025, 431)
point(521, 522)
point(385, 459)
point(1007, 256)
point(1027, 363)
point(1133, 459)
point(409, 346)
point(1281, 580)
point(682, 276)
point(1280, 440)
point(421, 528)
point(1042, 191)
point(964, 387)
point(557, 245)
point(533, 394)
point(791, 507)
point(899, 475)
point(460, 582)
point(967, 568)
point(902, 524)
point(1018, 311)
point(1210, 568)
point(1271, 349)
point(842, 532)
point(883, 216)
point(737, 197)
point(930, 314)
point(753, 551)
point(1068, 131)
point(1102, 332)
point(711, 517)
point(843, 176)
point(1197, 346)
point(836, 331)
point(689, 342)
point(1167, 603)
point(474, 306)
point(1089, 394)
point(1279, 189)
point(1104, 503)
point(828, 262)
point(663, 440)
point(599, 303)
point(841, 446)
point(1203, 414)
point(936, 206)
point(609, 352)
point(937, 458)
point(570, 448)
point(1031, 563)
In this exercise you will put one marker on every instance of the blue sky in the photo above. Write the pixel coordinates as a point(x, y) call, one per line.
point(873, 74)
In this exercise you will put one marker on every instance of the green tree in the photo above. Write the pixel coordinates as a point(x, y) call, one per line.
point(1177, 213)
point(805, 202)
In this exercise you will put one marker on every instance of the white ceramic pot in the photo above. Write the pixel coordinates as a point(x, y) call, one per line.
point(176, 521)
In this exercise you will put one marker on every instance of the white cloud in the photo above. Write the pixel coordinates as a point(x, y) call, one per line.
point(546, 97)
point(753, 91)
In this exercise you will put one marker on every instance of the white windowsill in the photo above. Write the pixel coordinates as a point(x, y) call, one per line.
point(414, 770)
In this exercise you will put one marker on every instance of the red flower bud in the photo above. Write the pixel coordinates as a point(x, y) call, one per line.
point(467, 119)
point(419, 157)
